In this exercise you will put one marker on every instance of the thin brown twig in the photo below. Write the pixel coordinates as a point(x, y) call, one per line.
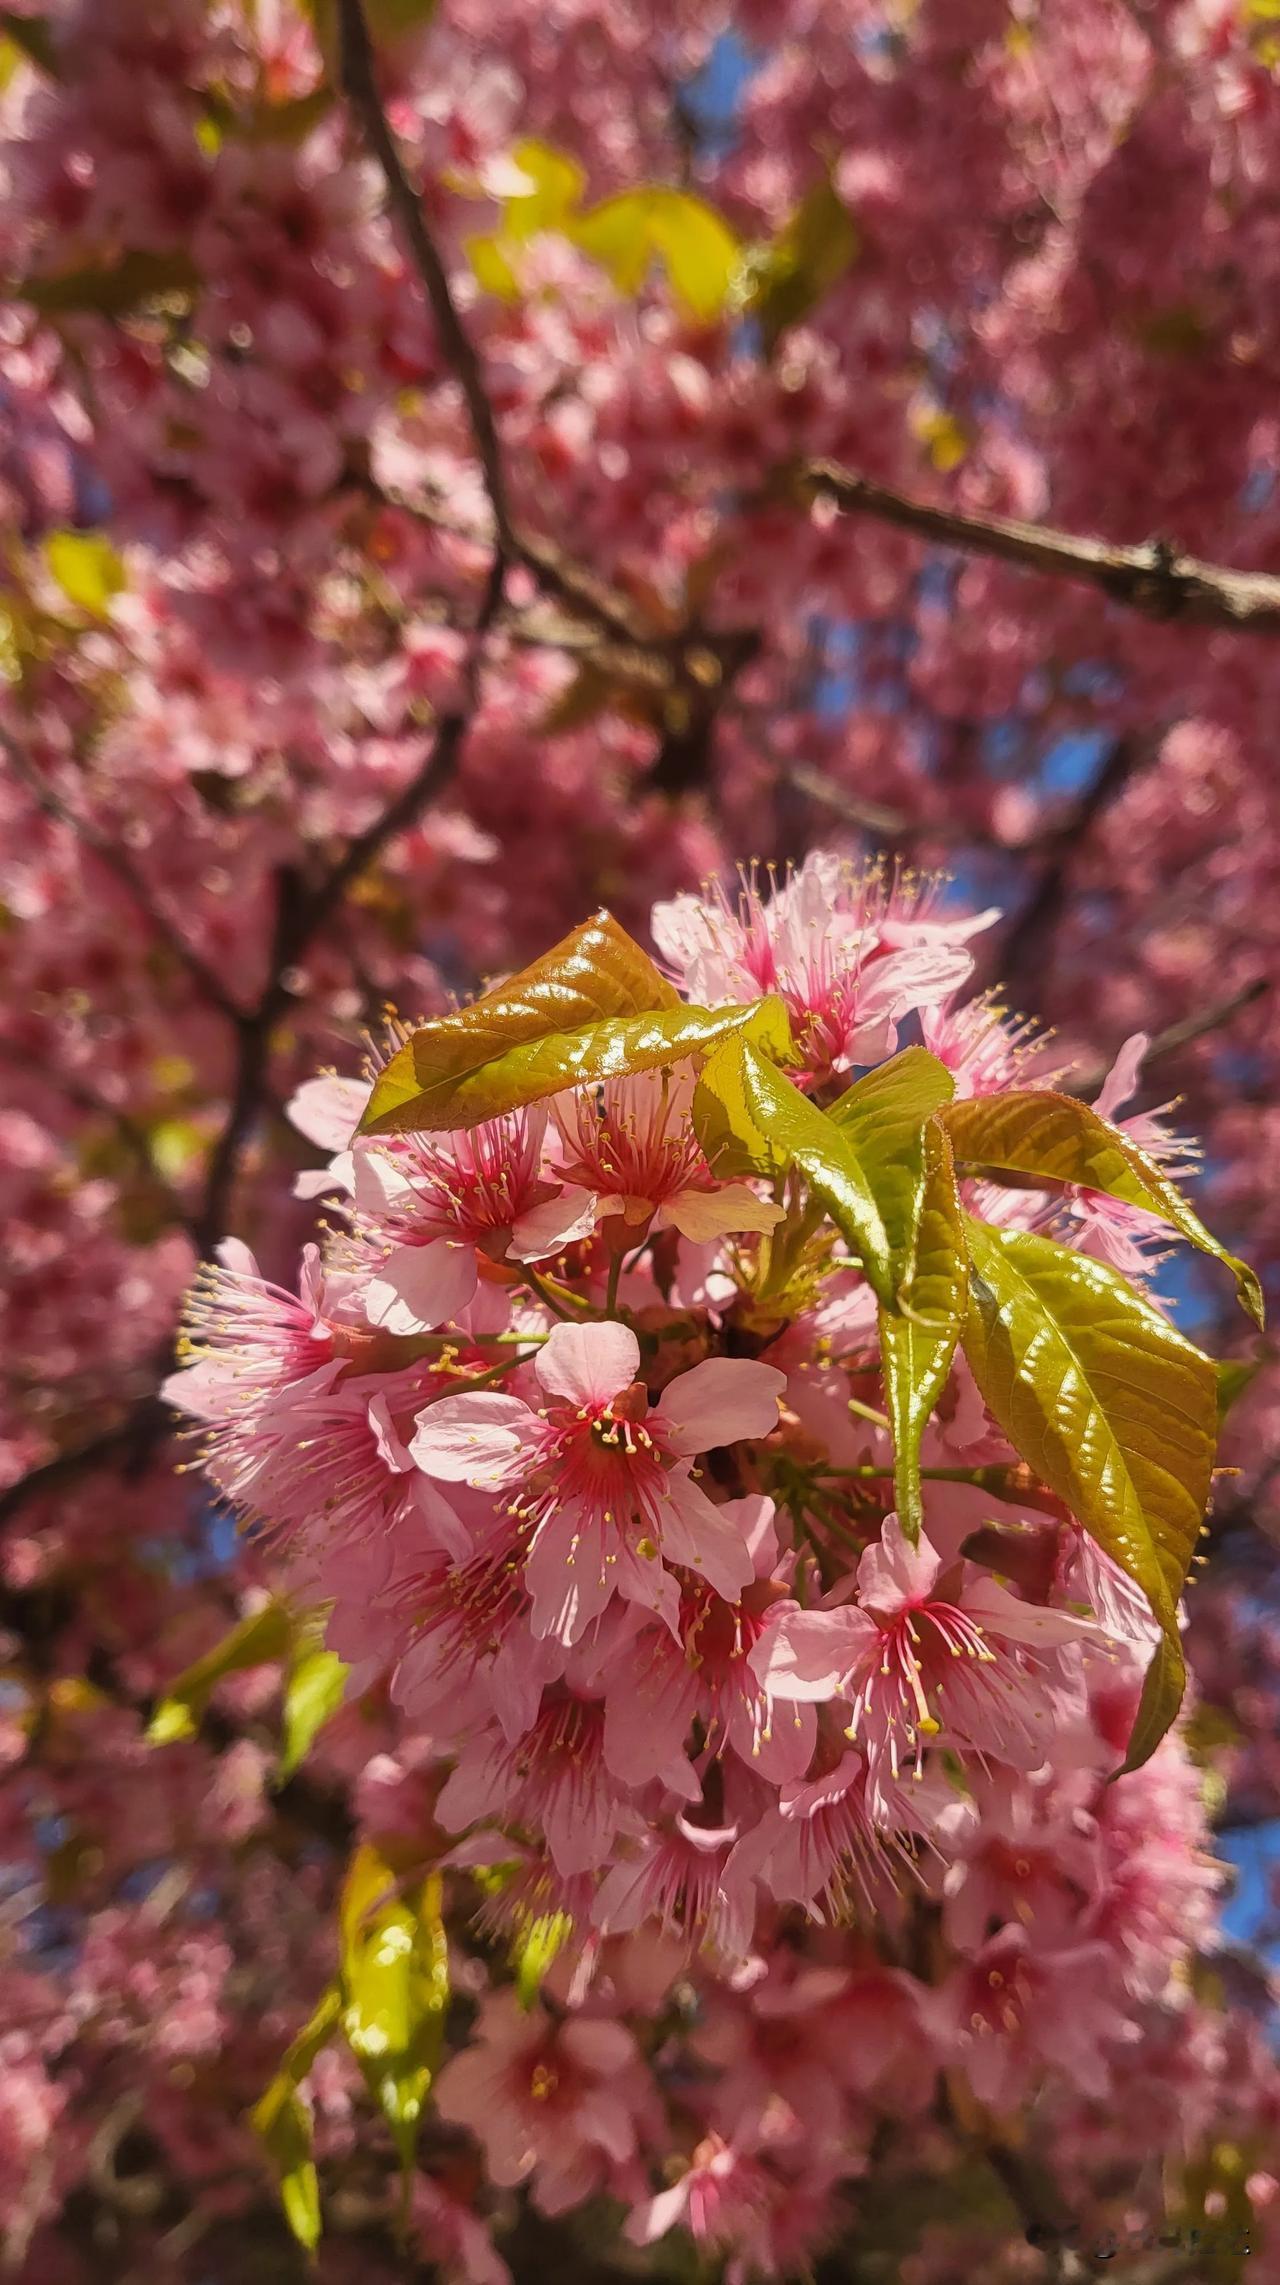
point(1176, 1036)
point(1154, 579)
point(358, 72)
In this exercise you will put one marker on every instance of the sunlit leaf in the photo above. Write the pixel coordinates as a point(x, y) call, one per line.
point(1055, 1138)
point(593, 1008)
point(699, 252)
point(32, 37)
point(283, 2122)
point(884, 1116)
point(734, 1146)
point(86, 568)
point(556, 186)
point(256, 1641)
point(112, 288)
point(312, 1693)
point(798, 1134)
point(816, 246)
point(535, 1951)
point(918, 1338)
point(1114, 1411)
point(491, 266)
point(395, 1985)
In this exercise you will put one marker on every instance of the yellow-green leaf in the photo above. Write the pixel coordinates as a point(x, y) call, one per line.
point(692, 242)
point(256, 1641)
point(1054, 1138)
point(1111, 1407)
point(32, 37)
point(918, 1338)
point(556, 185)
point(535, 1951)
point(111, 288)
point(395, 1986)
point(884, 1116)
point(283, 2122)
point(807, 1138)
point(733, 1145)
point(86, 568)
point(491, 266)
point(312, 1693)
point(816, 246)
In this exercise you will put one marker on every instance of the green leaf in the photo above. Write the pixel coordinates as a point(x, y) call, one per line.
point(282, 2120)
point(884, 1117)
point(86, 568)
point(312, 1693)
point(535, 1951)
point(395, 1986)
point(1114, 1411)
point(732, 1143)
point(798, 1134)
point(692, 242)
point(1054, 1138)
point(816, 246)
point(918, 1339)
point(594, 1008)
point(256, 1641)
point(111, 288)
point(556, 185)
point(1235, 1375)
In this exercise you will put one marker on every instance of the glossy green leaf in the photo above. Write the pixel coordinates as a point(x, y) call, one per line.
point(815, 248)
point(733, 1145)
point(86, 568)
point(282, 2120)
point(1111, 1407)
point(595, 973)
point(918, 1338)
point(884, 1116)
point(688, 238)
point(395, 1987)
point(1054, 1138)
point(312, 1693)
point(798, 1134)
point(111, 288)
point(256, 1641)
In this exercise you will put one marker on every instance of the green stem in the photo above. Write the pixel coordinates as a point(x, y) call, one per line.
point(994, 1479)
point(553, 1297)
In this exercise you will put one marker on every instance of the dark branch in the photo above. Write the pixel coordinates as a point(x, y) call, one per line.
point(1179, 1035)
point(1044, 907)
point(360, 84)
point(1154, 579)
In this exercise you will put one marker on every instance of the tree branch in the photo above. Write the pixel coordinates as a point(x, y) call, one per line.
point(1178, 1035)
point(1043, 909)
point(358, 74)
point(1154, 580)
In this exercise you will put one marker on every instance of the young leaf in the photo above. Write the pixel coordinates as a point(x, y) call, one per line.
point(918, 1338)
point(732, 1143)
point(595, 972)
point(395, 1987)
point(695, 245)
point(798, 1134)
point(1054, 1138)
point(312, 1693)
point(884, 1117)
point(815, 247)
point(256, 1641)
point(282, 2120)
point(111, 288)
point(86, 568)
point(1111, 1407)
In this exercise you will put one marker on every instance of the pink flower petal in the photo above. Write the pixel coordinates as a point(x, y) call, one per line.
point(701, 1215)
point(719, 1401)
point(328, 1111)
point(556, 1223)
point(470, 1439)
point(420, 1287)
point(588, 1364)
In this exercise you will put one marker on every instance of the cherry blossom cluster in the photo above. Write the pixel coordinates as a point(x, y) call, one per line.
point(580, 1448)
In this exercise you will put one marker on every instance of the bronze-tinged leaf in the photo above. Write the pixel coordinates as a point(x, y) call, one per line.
point(1053, 1138)
point(1111, 1407)
point(918, 1337)
point(595, 973)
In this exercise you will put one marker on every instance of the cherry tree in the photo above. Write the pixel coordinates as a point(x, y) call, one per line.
point(471, 467)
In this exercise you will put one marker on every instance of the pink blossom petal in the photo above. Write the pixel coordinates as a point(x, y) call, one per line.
point(418, 1288)
point(588, 1364)
point(892, 1573)
point(701, 1215)
point(719, 1401)
point(706, 1538)
point(556, 1223)
point(807, 1654)
point(471, 1439)
point(328, 1111)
